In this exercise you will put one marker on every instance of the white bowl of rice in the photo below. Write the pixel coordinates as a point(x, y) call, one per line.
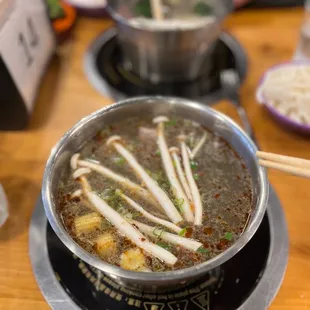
point(285, 92)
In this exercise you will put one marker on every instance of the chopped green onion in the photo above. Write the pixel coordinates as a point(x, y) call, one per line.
point(118, 191)
point(196, 176)
point(194, 164)
point(157, 266)
point(107, 193)
point(179, 203)
point(163, 245)
point(172, 122)
point(228, 236)
point(160, 179)
point(120, 161)
point(135, 215)
point(143, 8)
point(105, 224)
point(112, 198)
point(104, 133)
point(158, 231)
point(203, 250)
point(128, 216)
point(124, 212)
point(55, 9)
point(120, 209)
point(156, 176)
point(158, 153)
point(202, 9)
point(182, 232)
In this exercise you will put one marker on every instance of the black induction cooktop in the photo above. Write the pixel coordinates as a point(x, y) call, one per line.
point(226, 288)
point(106, 72)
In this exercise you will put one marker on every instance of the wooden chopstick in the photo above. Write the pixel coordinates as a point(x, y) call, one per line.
point(292, 165)
point(157, 9)
point(285, 168)
point(292, 161)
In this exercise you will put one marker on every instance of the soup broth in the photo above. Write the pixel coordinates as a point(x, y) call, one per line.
point(222, 178)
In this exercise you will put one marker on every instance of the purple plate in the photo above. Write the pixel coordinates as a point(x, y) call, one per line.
point(282, 119)
point(89, 10)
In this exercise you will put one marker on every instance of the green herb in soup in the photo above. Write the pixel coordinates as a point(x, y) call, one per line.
point(203, 9)
point(155, 195)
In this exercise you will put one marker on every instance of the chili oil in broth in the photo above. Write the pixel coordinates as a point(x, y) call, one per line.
point(222, 177)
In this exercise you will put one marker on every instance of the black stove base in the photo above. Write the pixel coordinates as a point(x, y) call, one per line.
point(226, 288)
point(105, 71)
point(244, 282)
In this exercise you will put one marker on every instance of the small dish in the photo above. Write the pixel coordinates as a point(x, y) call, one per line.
point(279, 117)
point(64, 25)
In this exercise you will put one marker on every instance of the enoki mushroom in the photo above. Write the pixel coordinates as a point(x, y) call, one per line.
point(199, 145)
point(176, 159)
point(124, 182)
point(148, 215)
point(169, 169)
point(152, 186)
point(120, 223)
point(189, 244)
point(191, 181)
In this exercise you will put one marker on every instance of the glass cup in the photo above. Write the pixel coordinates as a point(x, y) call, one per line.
point(4, 212)
point(303, 48)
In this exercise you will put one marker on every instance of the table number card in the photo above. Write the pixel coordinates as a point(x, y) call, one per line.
point(26, 44)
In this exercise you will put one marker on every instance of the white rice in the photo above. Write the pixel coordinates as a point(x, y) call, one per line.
point(287, 89)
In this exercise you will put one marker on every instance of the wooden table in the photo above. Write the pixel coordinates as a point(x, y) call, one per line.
point(268, 36)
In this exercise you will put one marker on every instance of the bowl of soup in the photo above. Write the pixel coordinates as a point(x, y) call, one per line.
point(154, 191)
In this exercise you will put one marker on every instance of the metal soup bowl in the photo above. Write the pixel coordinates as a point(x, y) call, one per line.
point(165, 54)
point(85, 130)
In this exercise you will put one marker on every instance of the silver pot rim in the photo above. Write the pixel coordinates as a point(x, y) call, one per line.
point(124, 21)
point(115, 271)
point(118, 18)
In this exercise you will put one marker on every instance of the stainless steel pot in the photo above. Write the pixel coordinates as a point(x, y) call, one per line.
point(162, 55)
point(83, 131)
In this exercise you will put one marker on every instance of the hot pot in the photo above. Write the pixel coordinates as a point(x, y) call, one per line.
point(168, 54)
point(84, 130)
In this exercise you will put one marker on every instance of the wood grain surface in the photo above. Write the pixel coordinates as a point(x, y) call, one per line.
point(269, 36)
